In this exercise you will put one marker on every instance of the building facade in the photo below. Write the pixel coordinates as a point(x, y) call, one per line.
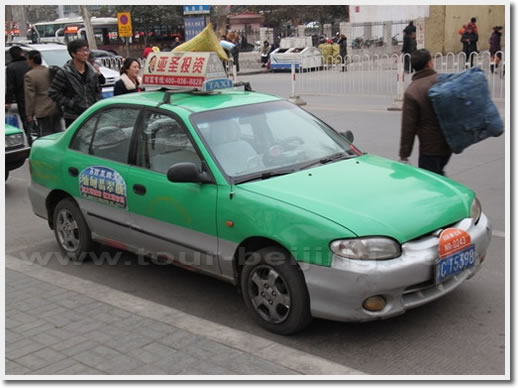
point(444, 21)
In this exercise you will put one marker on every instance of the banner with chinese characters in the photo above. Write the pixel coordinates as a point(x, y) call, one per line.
point(103, 184)
point(193, 26)
point(181, 69)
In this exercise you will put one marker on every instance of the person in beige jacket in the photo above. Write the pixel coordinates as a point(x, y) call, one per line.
point(38, 105)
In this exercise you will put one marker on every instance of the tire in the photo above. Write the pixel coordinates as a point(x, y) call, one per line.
point(6, 174)
point(275, 292)
point(72, 232)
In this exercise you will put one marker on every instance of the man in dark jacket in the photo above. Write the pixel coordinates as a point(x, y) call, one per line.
point(409, 46)
point(495, 47)
point(342, 42)
point(14, 92)
point(76, 86)
point(469, 44)
point(419, 118)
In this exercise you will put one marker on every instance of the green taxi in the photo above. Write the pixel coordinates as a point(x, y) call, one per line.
point(16, 151)
point(251, 189)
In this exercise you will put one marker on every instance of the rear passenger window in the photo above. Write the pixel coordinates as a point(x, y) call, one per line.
point(83, 137)
point(108, 134)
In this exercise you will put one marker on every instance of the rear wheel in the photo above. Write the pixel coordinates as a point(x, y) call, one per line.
point(275, 292)
point(72, 232)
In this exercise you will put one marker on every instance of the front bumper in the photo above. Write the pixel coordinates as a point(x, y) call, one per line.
point(338, 292)
point(15, 158)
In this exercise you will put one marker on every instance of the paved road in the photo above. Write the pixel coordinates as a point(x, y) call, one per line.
point(463, 333)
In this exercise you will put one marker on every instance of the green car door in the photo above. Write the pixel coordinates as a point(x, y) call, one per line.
point(172, 220)
point(96, 168)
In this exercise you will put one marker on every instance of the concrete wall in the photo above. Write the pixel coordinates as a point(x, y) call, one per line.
point(444, 21)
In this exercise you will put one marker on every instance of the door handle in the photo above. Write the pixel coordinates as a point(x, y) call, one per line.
point(73, 171)
point(139, 189)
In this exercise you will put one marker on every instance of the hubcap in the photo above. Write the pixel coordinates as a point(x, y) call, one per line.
point(269, 294)
point(67, 231)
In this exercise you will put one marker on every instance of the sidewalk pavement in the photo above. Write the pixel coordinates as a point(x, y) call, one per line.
point(58, 324)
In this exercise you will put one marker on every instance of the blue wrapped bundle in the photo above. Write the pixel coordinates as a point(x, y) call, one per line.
point(464, 108)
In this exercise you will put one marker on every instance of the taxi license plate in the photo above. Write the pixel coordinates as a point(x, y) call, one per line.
point(454, 264)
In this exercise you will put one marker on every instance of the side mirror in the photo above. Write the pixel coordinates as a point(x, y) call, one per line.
point(348, 135)
point(187, 172)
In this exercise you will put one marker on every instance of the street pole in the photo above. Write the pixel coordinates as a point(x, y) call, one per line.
point(18, 17)
point(90, 37)
point(9, 22)
point(221, 12)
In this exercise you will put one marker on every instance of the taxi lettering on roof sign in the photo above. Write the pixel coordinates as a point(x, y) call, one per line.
point(186, 70)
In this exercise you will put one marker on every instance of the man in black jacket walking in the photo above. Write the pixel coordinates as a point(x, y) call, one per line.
point(14, 92)
point(76, 86)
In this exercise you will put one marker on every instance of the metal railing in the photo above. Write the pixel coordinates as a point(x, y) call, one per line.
point(114, 63)
point(386, 75)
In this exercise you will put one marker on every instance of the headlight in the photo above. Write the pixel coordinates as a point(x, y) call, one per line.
point(476, 210)
point(367, 248)
point(13, 140)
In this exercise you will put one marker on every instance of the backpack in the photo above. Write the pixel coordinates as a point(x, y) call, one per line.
point(464, 108)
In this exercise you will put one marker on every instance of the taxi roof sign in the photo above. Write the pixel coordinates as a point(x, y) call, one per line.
point(195, 70)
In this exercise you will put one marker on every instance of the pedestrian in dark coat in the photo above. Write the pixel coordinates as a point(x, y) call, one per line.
point(14, 76)
point(176, 43)
point(75, 86)
point(234, 38)
point(495, 47)
point(265, 53)
point(342, 42)
point(469, 44)
point(130, 81)
point(409, 46)
point(419, 118)
point(410, 28)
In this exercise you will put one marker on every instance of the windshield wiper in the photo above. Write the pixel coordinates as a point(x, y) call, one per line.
point(327, 159)
point(332, 158)
point(266, 175)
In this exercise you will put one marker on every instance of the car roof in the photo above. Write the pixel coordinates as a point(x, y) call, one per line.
point(39, 47)
point(194, 102)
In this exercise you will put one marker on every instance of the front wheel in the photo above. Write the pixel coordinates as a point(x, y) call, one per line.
point(72, 232)
point(275, 292)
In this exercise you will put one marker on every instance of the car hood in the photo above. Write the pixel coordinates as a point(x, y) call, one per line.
point(370, 195)
point(11, 130)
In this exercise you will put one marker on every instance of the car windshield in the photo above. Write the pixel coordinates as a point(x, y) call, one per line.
point(55, 57)
point(258, 141)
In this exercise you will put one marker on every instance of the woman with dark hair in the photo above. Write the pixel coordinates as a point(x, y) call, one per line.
point(130, 81)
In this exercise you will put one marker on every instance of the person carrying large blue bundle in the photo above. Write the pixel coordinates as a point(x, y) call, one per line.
point(420, 119)
point(447, 112)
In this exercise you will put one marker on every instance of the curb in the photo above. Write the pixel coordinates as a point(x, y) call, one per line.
point(298, 361)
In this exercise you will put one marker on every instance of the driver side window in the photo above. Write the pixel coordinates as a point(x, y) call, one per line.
point(163, 143)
